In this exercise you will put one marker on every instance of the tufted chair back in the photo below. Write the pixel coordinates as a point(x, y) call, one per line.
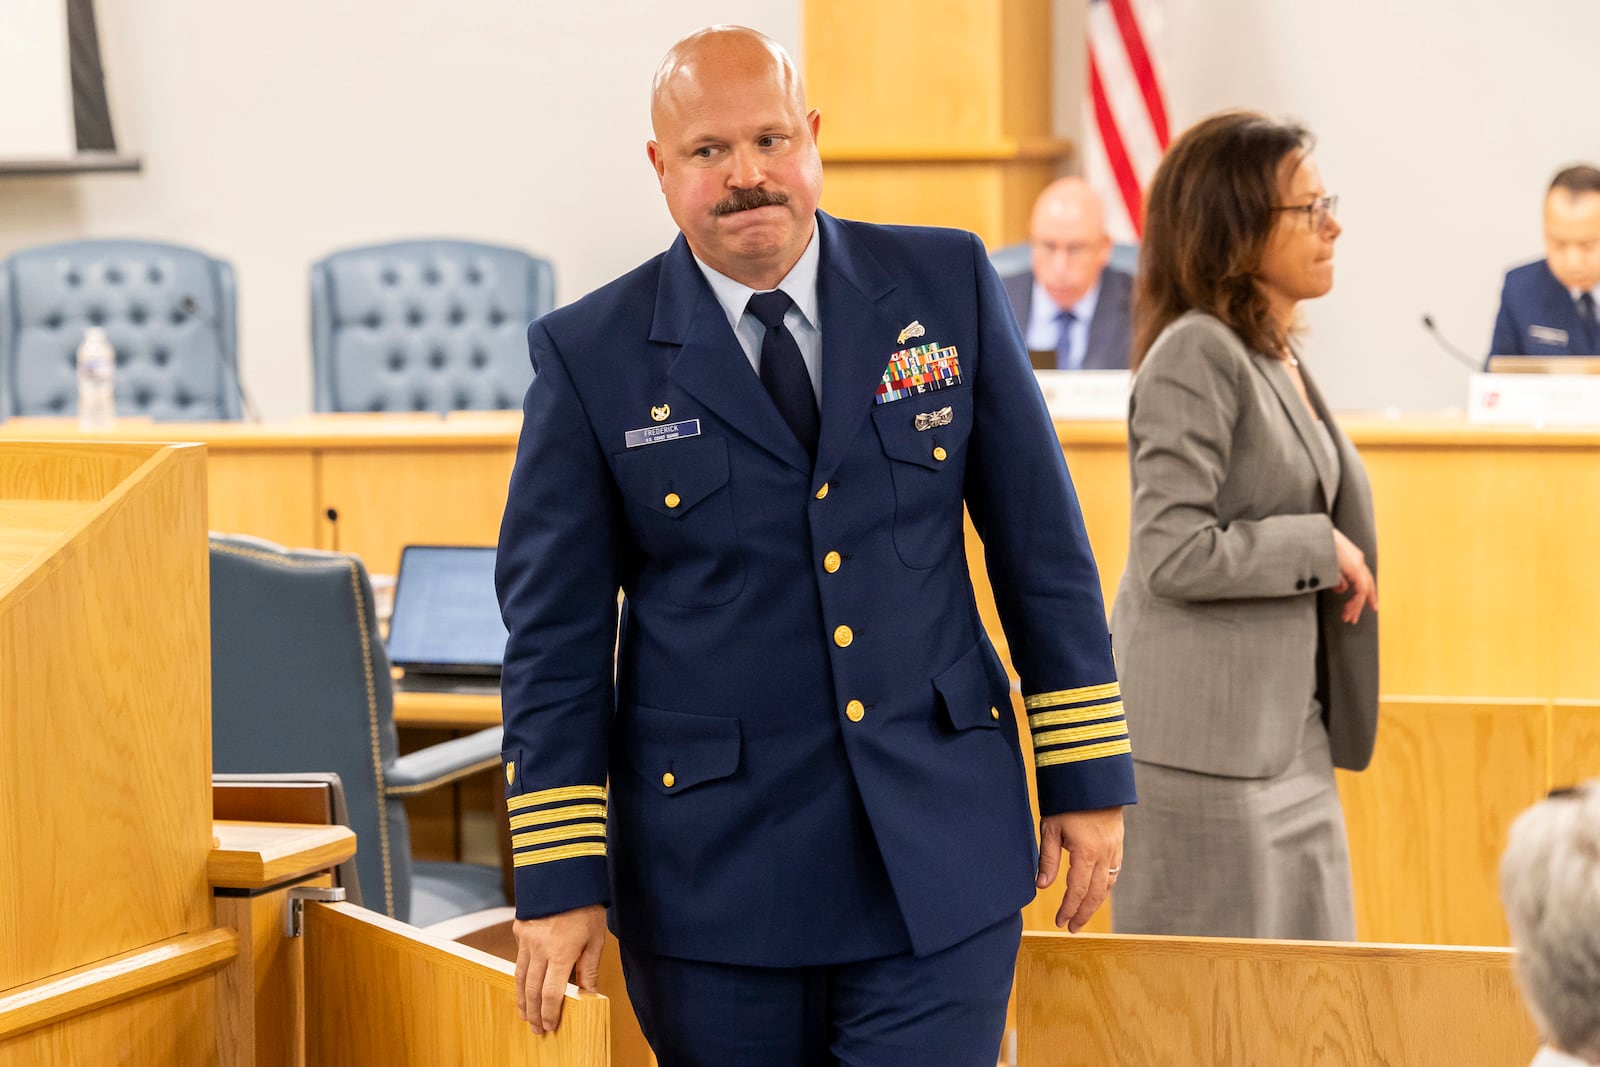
point(169, 312)
point(300, 682)
point(425, 326)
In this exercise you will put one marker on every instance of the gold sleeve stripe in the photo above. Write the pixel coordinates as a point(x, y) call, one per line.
point(1040, 719)
point(559, 833)
point(565, 852)
point(1073, 696)
point(555, 796)
point(549, 815)
point(1078, 755)
point(1081, 733)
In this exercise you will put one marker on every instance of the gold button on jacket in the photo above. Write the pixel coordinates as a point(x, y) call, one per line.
point(939, 454)
point(831, 561)
point(669, 780)
point(842, 637)
point(855, 711)
point(823, 492)
point(672, 500)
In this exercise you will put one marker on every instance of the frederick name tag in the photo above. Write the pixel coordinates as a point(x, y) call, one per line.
point(667, 431)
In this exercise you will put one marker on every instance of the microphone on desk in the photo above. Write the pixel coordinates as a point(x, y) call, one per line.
point(333, 519)
point(189, 306)
point(1458, 354)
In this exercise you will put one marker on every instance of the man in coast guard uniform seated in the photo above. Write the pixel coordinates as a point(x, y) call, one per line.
point(800, 790)
point(1548, 308)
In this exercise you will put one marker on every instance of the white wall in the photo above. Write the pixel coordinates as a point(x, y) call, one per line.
point(275, 133)
point(1440, 123)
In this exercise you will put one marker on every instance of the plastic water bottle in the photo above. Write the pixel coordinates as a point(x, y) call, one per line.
point(97, 368)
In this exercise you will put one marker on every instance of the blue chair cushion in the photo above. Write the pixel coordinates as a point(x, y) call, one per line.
point(441, 891)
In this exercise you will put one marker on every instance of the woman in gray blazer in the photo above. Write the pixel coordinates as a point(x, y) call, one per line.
point(1245, 625)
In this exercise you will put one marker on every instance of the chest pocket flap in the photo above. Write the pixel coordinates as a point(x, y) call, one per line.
point(946, 419)
point(672, 478)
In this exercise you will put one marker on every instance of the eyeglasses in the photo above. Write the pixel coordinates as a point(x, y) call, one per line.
point(1317, 213)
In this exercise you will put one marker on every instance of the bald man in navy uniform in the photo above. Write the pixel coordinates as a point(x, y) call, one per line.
point(798, 787)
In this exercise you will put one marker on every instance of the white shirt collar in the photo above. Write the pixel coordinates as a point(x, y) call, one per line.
point(1549, 1057)
point(1043, 310)
point(800, 284)
point(1577, 294)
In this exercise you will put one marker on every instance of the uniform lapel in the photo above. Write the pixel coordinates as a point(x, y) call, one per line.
point(710, 365)
point(1277, 375)
point(860, 325)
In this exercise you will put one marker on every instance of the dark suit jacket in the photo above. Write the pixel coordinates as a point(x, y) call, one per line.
point(1538, 316)
point(811, 757)
point(1111, 330)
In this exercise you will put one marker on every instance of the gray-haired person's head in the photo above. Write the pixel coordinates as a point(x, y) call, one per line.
point(1550, 882)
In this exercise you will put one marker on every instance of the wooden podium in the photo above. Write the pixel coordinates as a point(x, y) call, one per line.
point(108, 951)
point(111, 948)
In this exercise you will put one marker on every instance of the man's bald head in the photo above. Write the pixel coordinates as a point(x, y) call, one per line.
point(736, 152)
point(1070, 243)
point(717, 55)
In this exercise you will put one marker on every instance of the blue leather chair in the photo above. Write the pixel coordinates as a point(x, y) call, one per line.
point(169, 312)
point(425, 326)
point(300, 682)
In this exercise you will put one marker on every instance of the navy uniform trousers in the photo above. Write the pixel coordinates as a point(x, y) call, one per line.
point(793, 751)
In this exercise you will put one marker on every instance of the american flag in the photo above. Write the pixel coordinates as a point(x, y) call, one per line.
point(1125, 127)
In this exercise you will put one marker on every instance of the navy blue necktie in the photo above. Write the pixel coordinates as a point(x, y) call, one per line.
point(1064, 323)
point(1590, 326)
point(783, 371)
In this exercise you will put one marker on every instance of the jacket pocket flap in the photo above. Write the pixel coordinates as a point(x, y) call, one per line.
point(971, 691)
point(674, 751)
point(946, 418)
point(672, 478)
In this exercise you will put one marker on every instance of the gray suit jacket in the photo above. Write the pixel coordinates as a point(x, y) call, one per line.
point(1111, 329)
point(1225, 624)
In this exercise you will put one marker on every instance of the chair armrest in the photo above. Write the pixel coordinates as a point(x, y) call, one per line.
point(441, 764)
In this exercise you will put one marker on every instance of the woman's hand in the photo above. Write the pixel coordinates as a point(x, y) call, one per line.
point(1354, 577)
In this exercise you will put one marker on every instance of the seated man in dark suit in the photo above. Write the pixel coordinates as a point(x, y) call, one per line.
point(1548, 308)
point(1073, 309)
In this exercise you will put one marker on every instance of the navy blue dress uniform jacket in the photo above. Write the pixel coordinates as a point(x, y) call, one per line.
point(806, 753)
point(1538, 317)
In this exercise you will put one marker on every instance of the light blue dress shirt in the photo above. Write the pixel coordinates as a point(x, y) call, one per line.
point(803, 320)
point(1044, 329)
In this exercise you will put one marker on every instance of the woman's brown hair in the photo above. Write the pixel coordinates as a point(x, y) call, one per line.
point(1208, 215)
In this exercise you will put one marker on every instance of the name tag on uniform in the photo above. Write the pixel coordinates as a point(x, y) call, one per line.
point(1548, 335)
point(667, 431)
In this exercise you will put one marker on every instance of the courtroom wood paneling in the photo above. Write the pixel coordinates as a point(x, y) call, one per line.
point(381, 992)
point(67, 996)
point(389, 498)
point(269, 493)
point(105, 743)
point(262, 994)
point(1428, 819)
point(173, 1025)
point(1138, 1002)
point(1563, 558)
point(991, 198)
point(1574, 742)
point(1454, 525)
point(934, 113)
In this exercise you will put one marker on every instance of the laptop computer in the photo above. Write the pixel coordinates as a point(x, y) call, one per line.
point(445, 631)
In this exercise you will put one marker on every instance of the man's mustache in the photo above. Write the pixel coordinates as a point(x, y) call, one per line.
point(748, 200)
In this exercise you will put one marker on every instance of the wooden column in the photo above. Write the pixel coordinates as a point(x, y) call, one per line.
point(934, 112)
